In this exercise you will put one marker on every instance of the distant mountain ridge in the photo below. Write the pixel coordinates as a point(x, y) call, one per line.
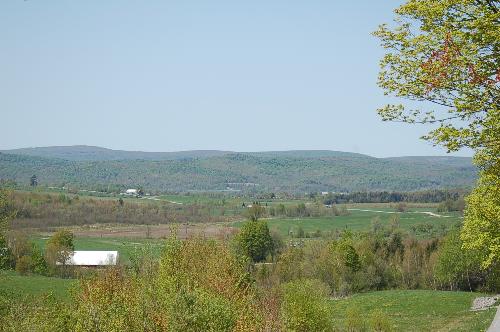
point(96, 153)
point(274, 171)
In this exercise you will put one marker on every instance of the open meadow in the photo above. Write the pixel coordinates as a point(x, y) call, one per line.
point(422, 222)
point(414, 310)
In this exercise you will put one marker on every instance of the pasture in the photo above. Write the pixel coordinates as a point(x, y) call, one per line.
point(364, 219)
point(417, 310)
point(14, 285)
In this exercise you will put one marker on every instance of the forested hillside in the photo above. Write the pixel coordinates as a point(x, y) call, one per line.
point(95, 153)
point(289, 171)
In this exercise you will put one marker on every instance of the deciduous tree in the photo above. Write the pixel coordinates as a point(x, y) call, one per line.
point(444, 56)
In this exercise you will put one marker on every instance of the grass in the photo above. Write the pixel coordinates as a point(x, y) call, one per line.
point(419, 310)
point(17, 285)
point(358, 221)
point(124, 246)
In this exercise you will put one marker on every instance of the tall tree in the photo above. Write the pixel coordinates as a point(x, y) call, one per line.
point(254, 240)
point(443, 56)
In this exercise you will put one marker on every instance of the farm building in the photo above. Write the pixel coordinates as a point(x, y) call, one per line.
point(131, 192)
point(93, 258)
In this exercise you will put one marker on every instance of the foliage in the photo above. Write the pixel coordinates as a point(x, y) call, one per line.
point(279, 173)
point(6, 257)
point(198, 285)
point(481, 230)
point(23, 265)
point(255, 212)
point(45, 210)
point(445, 54)
point(6, 214)
point(423, 196)
point(58, 251)
point(456, 267)
point(62, 238)
point(41, 314)
point(354, 321)
point(306, 306)
point(38, 262)
point(18, 243)
point(255, 241)
point(450, 205)
point(379, 322)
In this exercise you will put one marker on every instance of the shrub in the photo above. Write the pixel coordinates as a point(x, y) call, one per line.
point(306, 306)
point(354, 321)
point(39, 265)
point(23, 265)
point(379, 322)
point(198, 310)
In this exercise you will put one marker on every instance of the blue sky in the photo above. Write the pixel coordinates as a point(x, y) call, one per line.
point(182, 75)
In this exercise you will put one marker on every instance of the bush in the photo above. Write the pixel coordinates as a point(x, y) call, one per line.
point(6, 258)
point(401, 207)
point(39, 265)
point(354, 320)
point(306, 306)
point(23, 265)
point(379, 322)
point(198, 310)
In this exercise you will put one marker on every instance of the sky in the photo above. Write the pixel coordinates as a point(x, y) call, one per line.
point(188, 75)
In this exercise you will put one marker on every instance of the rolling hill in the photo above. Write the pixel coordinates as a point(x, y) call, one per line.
point(95, 153)
point(278, 171)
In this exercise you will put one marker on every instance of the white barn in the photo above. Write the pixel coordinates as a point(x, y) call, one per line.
point(131, 192)
point(93, 258)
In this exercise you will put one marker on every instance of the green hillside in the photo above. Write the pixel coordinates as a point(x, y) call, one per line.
point(95, 153)
point(413, 310)
point(288, 171)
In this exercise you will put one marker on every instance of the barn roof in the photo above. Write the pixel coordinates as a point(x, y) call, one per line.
point(93, 258)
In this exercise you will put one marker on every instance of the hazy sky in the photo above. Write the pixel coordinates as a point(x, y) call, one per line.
point(181, 75)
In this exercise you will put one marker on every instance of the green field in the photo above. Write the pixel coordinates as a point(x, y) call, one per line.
point(418, 310)
point(359, 221)
point(124, 246)
point(17, 285)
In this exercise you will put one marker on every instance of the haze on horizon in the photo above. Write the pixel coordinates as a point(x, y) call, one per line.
point(173, 76)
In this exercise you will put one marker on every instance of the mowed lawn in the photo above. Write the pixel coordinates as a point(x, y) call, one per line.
point(14, 284)
point(419, 310)
point(359, 221)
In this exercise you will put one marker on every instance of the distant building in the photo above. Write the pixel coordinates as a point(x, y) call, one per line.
point(132, 192)
point(324, 193)
point(93, 258)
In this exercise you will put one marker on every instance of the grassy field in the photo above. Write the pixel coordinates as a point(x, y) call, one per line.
point(360, 221)
point(124, 246)
point(419, 310)
point(17, 285)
